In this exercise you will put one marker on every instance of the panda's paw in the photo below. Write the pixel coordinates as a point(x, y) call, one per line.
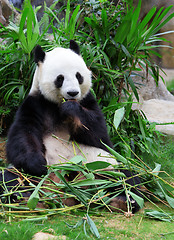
point(35, 165)
point(70, 108)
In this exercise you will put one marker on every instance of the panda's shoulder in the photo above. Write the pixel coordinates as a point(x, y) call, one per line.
point(35, 104)
point(31, 101)
point(89, 100)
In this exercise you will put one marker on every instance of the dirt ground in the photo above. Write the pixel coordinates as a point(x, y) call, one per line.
point(2, 149)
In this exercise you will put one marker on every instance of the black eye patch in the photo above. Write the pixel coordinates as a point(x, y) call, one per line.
point(59, 81)
point(79, 78)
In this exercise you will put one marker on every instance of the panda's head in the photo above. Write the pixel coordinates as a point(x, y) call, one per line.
point(61, 74)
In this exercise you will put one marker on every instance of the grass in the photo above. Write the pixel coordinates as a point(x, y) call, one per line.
point(110, 226)
point(164, 156)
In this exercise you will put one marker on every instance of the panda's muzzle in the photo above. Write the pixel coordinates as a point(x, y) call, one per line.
point(72, 94)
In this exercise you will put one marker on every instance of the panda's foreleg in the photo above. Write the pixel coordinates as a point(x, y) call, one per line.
point(25, 148)
point(86, 125)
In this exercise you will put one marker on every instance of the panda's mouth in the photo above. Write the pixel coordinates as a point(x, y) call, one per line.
point(70, 99)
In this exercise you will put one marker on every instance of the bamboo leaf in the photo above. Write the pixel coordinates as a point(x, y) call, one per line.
point(67, 15)
point(135, 17)
point(88, 182)
point(117, 155)
point(132, 85)
point(146, 19)
point(97, 165)
point(73, 21)
point(112, 174)
point(33, 201)
point(78, 224)
point(23, 19)
point(156, 169)
point(77, 159)
point(138, 199)
point(67, 167)
point(78, 194)
point(118, 117)
point(170, 200)
point(35, 219)
point(34, 198)
point(93, 227)
point(29, 24)
point(122, 31)
point(158, 215)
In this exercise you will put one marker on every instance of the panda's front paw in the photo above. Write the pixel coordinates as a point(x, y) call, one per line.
point(35, 164)
point(70, 108)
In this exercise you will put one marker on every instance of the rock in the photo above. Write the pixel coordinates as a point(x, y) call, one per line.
point(156, 101)
point(2, 18)
point(148, 89)
point(160, 111)
point(46, 236)
point(6, 10)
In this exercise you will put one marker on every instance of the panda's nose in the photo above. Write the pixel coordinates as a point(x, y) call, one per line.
point(72, 93)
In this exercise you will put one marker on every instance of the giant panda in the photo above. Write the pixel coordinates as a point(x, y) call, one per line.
point(59, 110)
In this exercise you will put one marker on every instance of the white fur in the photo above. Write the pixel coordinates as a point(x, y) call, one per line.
point(61, 61)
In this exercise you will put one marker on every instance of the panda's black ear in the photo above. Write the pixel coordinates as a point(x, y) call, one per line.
point(74, 47)
point(39, 54)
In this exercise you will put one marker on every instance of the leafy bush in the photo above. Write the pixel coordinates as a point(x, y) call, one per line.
point(114, 44)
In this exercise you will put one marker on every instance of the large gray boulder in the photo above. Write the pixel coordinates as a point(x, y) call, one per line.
point(156, 102)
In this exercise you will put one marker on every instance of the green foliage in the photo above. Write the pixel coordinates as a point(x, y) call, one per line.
point(94, 188)
point(114, 43)
point(170, 86)
point(127, 41)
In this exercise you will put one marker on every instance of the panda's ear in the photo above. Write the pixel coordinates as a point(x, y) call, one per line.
point(39, 55)
point(74, 47)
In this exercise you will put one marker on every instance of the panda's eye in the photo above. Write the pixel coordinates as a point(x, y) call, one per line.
point(59, 81)
point(79, 78)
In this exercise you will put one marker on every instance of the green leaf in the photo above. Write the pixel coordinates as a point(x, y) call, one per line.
point(35, 219)
point(78, 224)
point(88, 182)
point(135, 17)
point(34, 198)
point(117, 155)
point(97, 165)
point(132, 85)
point(23, 19)
point(67, 167)
point(122, 31)
point(112, 174)
point(146, 20)
point(118, 116)
point(33, 201)
point(77, 193)
point(138, 199)
point(158, 215)
point(67, 15)
point(77, 159)
point(93, 227)
point(156, 169)
point(170, 200)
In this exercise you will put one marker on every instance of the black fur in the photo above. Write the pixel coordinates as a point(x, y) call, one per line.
point(25, 149)
point(74, 47)
point(39, 54)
